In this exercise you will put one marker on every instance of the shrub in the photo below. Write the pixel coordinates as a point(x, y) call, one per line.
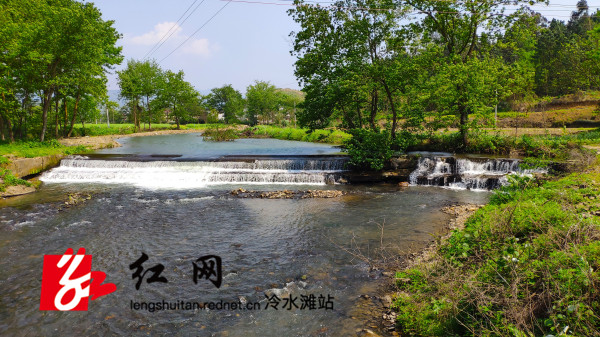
point(368, 150)
point(8, 179)
point(220, 135)
point(524, 265)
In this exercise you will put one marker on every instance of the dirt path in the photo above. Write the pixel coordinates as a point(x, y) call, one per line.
point(101, 142)
point(595, 147)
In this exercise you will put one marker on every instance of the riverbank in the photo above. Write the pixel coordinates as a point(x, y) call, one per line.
point(24, 159)
point(525, 264)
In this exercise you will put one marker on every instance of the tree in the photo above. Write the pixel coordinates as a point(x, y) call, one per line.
point(50, 48)
point(289, 103)
point(227, 101)
point(262, 102)
point(343, 61)
point(453, 28)
point(130, 83)
point(175, 94)
point(150, 77)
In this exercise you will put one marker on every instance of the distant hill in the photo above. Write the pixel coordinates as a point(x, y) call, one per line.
point(293, 92)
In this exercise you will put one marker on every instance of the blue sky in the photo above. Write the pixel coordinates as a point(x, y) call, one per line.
point(242, 43)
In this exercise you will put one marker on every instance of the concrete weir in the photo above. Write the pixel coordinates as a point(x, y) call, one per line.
point(23, 167)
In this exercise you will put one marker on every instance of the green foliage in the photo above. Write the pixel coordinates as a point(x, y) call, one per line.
point(7, 178)
point(227, 101)
point(175, 95)
point(223, 134)
point(57, 50)
point(524, 265)
point(31, 149)
point(369, 150)
point(553, 147)
point(154, 95)
point(262, 103)
point(330, 136)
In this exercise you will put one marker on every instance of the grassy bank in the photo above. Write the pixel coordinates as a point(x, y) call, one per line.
point(126, 129)
point(330, 136)
point(30, 149)
point(527, 264)
point(33, 149)
point(8, 179)
point(555, 147)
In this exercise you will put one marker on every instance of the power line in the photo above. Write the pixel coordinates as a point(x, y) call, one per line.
point(195, 32)
point(184, 20)
point(174, 25)
point(317, 5)
point(448, 1)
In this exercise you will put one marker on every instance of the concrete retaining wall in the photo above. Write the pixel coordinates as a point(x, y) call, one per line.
point(23, 167)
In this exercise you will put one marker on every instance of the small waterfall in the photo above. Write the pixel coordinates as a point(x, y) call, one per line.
point(461, 173)
point(193, 174)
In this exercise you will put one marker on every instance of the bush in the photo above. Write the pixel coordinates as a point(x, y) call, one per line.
point(524, 265)
point(8, 179)
point(368, 150)
point(220, 135)
point(329, 136)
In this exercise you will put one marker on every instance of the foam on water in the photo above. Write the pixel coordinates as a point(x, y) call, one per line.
point(460, 173)
point(197, 174)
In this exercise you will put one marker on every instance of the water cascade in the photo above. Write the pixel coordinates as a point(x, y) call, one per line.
point(463, 173)
point(172, 173)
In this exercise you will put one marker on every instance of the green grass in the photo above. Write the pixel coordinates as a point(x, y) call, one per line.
point(554, 147)
point(329, 136)
point(125, 129)
point(31, 149)
point(8, 179)
point(527, 264)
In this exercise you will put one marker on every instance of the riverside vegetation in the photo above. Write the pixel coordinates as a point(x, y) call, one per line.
point(526, 264)
point(381, 81)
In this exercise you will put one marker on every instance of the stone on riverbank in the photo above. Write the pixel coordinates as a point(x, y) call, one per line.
point(286, 194)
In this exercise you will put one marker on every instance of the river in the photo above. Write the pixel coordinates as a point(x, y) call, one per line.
point(295, 249)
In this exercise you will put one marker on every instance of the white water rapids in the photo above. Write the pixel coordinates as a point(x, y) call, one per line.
point(446, 171)
point(462, 173)
point(197, 174)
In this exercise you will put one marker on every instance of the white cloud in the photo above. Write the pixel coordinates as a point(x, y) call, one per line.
point(157, 34)
point(199, 47)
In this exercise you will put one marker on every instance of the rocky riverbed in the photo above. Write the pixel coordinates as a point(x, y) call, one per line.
point(286, 194)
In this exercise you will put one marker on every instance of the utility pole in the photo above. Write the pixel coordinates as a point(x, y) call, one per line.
point(496, 110)
point(107, 117)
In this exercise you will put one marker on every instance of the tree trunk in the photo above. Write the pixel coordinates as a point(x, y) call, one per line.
point(148, 112)
point(2, 128)
point(393, 107)
point(56, 117)
point(45, 107)
point(360, 124)
point(20, 128)
point(374, 103)
point(11, 136)
point(75, 115)
point(66, 116)
point(350, 122)
point(464, 119)
point(138, 116)
point(2, 121)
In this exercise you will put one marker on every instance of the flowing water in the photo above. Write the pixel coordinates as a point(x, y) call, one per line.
point(284, 247)
point(466, 173)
